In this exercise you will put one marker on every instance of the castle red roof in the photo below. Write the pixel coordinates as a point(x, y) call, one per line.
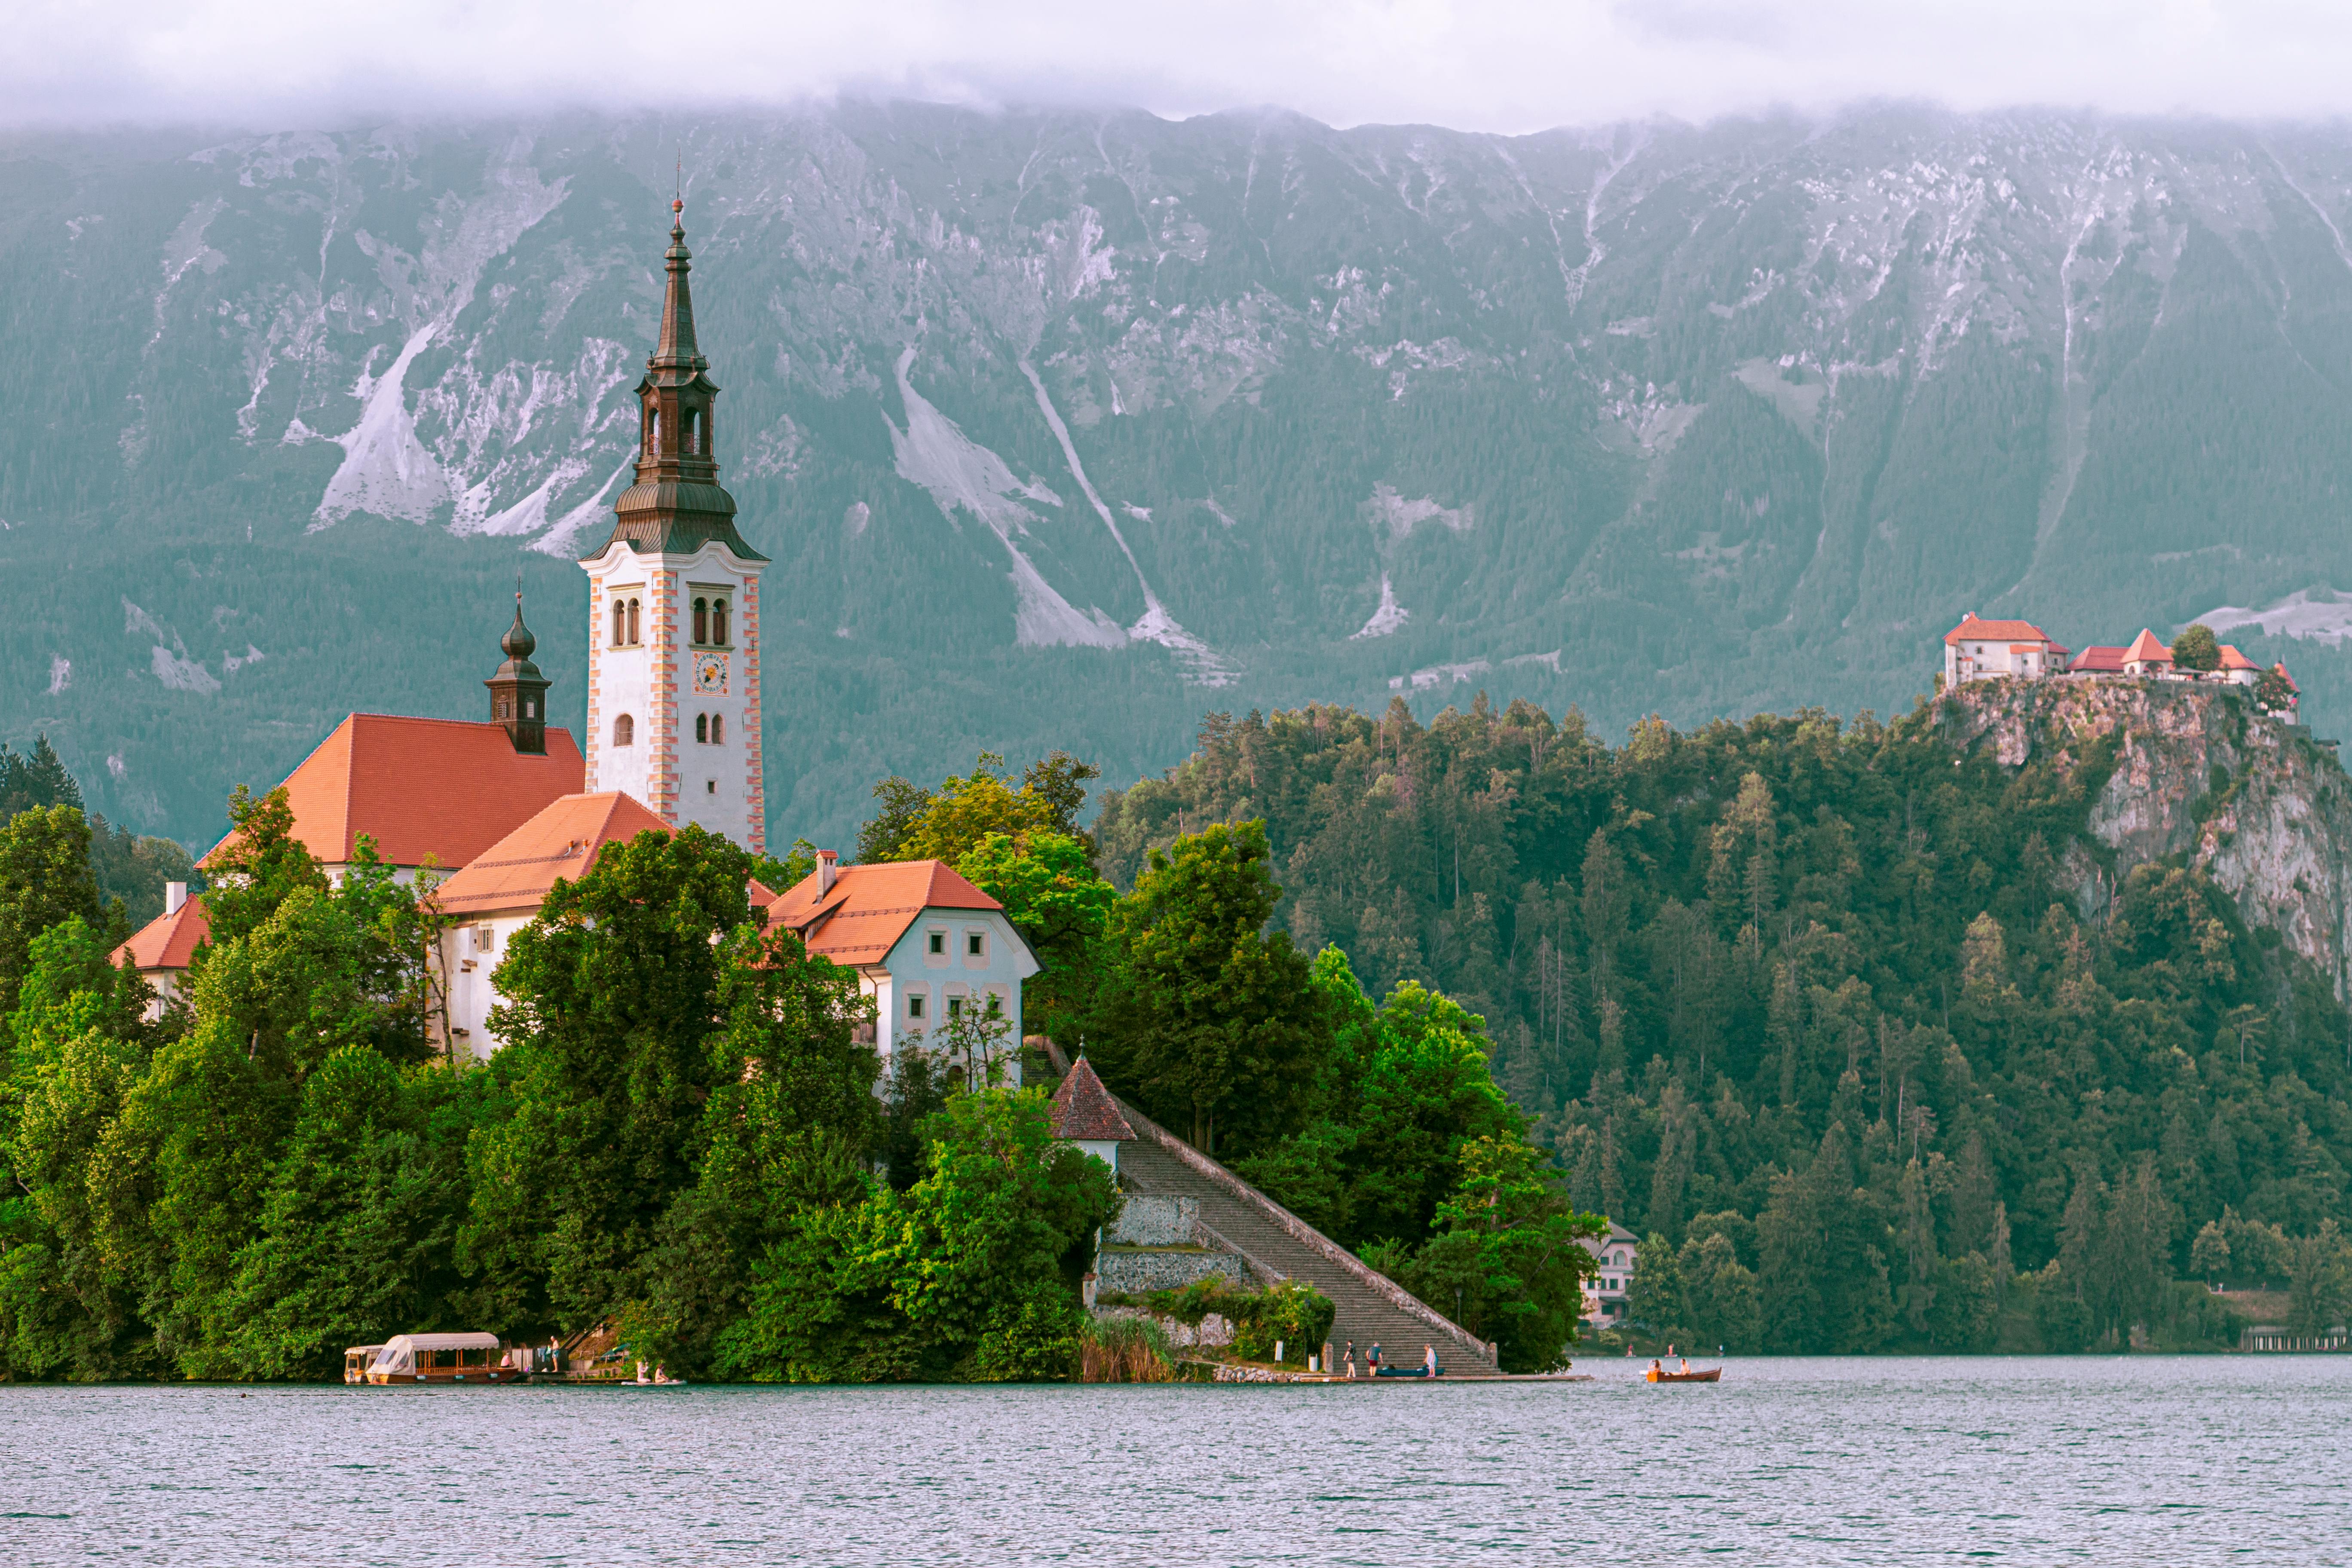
point(1971, 629)
point(2145, 649)
point(443, 788)
point(1084, 1111)
point(561, 841)
point(868, 907)
point(2283, 675)
point(2098, 661)
point(167, 941)
point(2232, 659)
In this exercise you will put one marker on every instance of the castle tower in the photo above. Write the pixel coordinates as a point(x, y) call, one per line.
point(517, 691)
point(674, 607)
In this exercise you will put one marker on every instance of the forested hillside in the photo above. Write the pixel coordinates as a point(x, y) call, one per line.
point(1057, 423)
point(1884, 1016)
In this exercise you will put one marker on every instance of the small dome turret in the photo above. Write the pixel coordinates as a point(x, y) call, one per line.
point(518, 643)
point(518, 692)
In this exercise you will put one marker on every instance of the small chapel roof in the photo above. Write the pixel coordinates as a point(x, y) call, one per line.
point(1084, 1111)
point(445, 788)
point(862, 916)
point(562, 842)
point(2145, 649)
point(168, 940)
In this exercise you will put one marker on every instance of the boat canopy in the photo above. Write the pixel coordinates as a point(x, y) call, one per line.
point(398, 1354)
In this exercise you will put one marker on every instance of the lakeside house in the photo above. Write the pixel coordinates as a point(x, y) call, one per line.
point(1979, 650)
point(1605, 1293)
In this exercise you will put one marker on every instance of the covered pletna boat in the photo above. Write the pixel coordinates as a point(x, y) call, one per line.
point(441, 1358)
point(357, 1360)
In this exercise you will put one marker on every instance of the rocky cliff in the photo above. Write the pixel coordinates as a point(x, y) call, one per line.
point(2194, 773)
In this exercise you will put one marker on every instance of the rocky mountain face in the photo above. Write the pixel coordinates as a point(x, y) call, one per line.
point(1064, 427)
point(2193, 773)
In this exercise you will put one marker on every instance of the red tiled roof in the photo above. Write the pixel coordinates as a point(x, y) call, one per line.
point(2145, 649)
point(1971, 629)
point(869, 908)
point(440, 787)
point(1083, 1110)
point(2232, 659)
point(2098, 661)
point(2283, 675)
point(167, 941)
point(561, 841)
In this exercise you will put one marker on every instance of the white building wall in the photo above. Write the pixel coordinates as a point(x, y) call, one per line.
point(666, 681)
point(467, 961)
point(912, 972)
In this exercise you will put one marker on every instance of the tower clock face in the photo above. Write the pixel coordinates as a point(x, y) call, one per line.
point(710, 674)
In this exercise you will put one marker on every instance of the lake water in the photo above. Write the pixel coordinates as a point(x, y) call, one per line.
point(2147, 1460)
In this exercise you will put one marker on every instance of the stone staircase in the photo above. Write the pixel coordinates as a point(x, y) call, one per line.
point(1372, 1309)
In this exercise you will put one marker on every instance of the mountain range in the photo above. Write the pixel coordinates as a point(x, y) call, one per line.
point(1064, 427)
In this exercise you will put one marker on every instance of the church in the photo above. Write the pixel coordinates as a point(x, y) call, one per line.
point(495, 812)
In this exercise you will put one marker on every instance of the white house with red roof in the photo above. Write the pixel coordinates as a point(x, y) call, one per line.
point(500, 890)
point(1990, 650)
point(160, 949)
point(926, 944)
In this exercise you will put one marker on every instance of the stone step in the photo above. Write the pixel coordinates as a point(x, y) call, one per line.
point(1367, 1308)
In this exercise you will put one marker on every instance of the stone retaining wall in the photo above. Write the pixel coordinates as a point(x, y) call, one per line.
point(1136, 1272)
point(1148, 1221)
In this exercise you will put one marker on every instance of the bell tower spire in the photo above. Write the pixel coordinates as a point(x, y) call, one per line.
point(673, 602)
point(517, 691)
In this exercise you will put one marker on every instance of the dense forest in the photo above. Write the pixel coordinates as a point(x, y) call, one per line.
point(1807, 1006)
point(1808, 1003)
point(682, 1135)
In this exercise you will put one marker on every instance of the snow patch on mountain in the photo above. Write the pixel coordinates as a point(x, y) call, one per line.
point(1390, 617)
point(2312, 615)
point(1205, 667)
point(183, 674)
point(60, 673)
point(385, 468)
point(561, 539)
point(1393, 517)
point(933, 452)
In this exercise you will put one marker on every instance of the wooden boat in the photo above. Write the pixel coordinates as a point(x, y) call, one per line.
point(441, 1358)
point(1658, 1374)
point(357, 1360)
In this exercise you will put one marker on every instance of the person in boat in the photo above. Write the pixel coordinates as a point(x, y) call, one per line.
point(1658, 1369)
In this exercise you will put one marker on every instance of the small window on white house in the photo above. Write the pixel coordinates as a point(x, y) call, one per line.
point(486, 939)
point(624, 731)
point(915, 1000)
point(939, 941)
point(710, 786)
point(955, 1008)
point(976, 944)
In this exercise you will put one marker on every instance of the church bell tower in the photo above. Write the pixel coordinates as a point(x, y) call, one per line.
point(517, 691)
point(674, 605)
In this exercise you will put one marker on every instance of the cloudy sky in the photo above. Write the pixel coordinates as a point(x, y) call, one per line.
point(1493, 65)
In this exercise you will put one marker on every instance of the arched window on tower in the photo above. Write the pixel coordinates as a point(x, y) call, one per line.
point(702, 728)
point(719, 622)
point(633, 623)
point(693, 446)
point(717, 729)
point(624, 731)
point(701, 620)
point(653, 430)
point(620, 623)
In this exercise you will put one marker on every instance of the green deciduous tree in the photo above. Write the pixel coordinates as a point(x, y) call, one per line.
point(1202, 1015)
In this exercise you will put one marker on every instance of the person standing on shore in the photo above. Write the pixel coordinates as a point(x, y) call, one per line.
point(1429, 1361)
point(1351, 1361)
point(1372, 1360)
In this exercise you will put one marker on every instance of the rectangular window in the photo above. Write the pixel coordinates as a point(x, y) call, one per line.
point(975, 944)
point(955, 1007)
point(939, 941)
point(914, 1004)
point(486, 939)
